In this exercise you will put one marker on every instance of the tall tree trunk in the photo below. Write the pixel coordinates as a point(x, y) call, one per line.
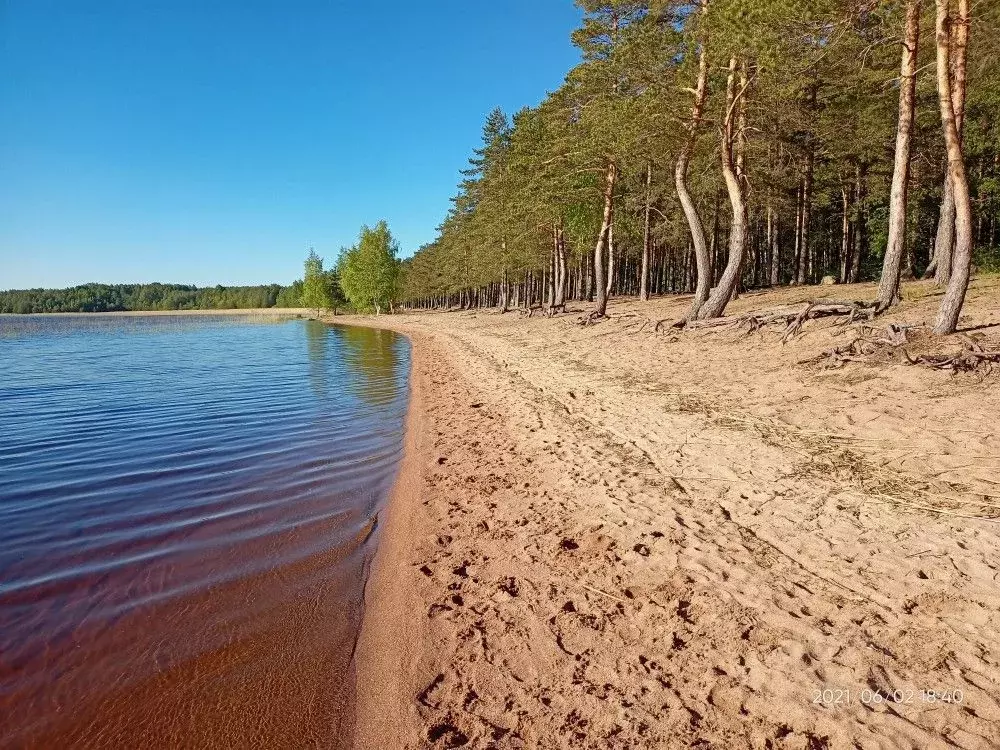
point(772, 240)
point(944, 243)
point(732, 160)
point(888, 288)
point(951, 89)
point(553, 265)
point(562, 270)
point(944, 239)
point(804, 240)
point(611, 257)
point(860, 196)
point(714, 259)
point(600, 283)
point(798, 234)
point(567, 280)
point(845, 233)
point(504, 293)
point(646, 236)
point(697, 228)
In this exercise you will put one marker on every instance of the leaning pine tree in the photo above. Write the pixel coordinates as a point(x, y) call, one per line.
point(951, 80)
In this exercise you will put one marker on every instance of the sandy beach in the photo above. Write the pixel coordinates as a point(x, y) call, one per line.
point(608, 536)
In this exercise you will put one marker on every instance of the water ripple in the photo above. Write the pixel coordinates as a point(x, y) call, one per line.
point(175, 488)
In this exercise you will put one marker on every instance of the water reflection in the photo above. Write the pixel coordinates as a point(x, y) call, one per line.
point(316, 346)
point(374, 358)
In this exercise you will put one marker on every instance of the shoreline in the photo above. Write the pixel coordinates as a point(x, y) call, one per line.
point(383, 653)
point(596, 541)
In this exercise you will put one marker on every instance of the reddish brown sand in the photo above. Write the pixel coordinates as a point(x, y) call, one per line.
point(610, 537)
point(252, 662)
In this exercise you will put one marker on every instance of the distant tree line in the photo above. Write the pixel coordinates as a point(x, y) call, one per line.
point(148, 297)
point(704, 146)
point(365, 278)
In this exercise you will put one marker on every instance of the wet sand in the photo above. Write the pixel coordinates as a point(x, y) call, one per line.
point(609, 537)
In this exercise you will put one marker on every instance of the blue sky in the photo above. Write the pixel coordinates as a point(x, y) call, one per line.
point(215, 141)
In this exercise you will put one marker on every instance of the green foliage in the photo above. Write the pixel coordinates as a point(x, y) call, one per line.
point(821, 99)
point(146, 297)
point(369, 272)
point(987, 260)
point(320, 289)
point(290, 296)
point(314, 288)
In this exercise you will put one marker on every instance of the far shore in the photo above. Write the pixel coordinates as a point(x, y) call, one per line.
point(617, 536)
point(128, 313)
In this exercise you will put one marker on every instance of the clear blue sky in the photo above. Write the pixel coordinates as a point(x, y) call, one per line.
point(215, 141)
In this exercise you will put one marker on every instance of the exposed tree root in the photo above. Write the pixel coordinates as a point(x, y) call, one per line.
point(548, 311)
point(791, 320)
point(592, 319)
point(871, 344)
point(972, 356)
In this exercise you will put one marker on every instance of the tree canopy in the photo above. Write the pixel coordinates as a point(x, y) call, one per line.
point(369, 271)
point(797, 123)
point(321, 288)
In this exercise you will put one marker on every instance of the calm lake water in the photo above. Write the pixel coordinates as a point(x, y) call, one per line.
point(186, 512)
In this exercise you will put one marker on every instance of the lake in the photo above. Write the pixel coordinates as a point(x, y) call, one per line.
point(187, 507)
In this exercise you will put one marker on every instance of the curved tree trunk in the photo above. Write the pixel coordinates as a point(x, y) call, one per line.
point(944, 243)
point(888, 288)
point(951, 89)
point(611, 257)
point(702, 260)
point(732, 173)
point(600, 283)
